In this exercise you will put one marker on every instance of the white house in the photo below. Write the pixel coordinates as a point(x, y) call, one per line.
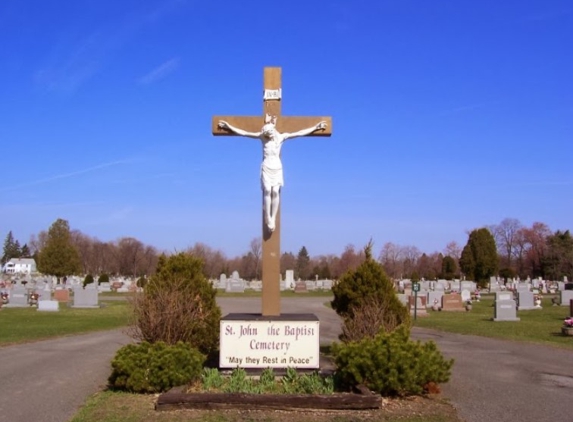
point(20, 265)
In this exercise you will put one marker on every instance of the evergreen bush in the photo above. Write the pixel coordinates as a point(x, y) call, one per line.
point(391, 364)
point(366, 300)
point(178, 304)
point(157, 367)
point(88, 279)
point(103, 278)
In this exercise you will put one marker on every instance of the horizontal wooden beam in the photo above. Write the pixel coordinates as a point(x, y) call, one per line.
point(172, 401)
point(284, 124)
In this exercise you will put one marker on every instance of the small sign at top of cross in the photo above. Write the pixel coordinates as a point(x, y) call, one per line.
point(272, 129)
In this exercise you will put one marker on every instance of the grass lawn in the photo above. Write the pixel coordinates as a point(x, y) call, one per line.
point(21, 325)
point(123, 407)
point(536, 326)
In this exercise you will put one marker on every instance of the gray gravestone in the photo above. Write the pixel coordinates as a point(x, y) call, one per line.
point(85, 298)
point(505, 309)
point(525, 301)
point(434, 298)
point(18, 297)
point(235, 284)
point(566, 296)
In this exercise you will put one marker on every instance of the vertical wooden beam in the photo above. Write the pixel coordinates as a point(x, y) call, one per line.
point(271, 297)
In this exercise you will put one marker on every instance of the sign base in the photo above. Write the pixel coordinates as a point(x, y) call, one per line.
point(257, 341)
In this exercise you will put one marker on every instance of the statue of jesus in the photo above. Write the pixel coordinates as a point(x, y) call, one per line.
point(271, 167)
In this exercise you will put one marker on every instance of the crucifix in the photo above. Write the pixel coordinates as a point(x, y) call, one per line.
point(272, 129)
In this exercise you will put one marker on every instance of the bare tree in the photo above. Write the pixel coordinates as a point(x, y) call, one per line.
point(505, 238)
point(256, 249)
point(454, 250)
point(536, 236)
point(391, 259)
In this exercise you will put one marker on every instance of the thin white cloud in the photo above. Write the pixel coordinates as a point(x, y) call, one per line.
point(160, 72)
point(65, 175)
point(78, 57)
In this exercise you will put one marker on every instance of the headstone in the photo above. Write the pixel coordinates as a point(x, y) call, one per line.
point(566, 296)
point(420, 302)
point(85, 298)
point(466, 295)
point(18, 297)
point(327, 284)
point(525, 301)
point(522, 287)
point(104, 287)
point(300, 287)
point(289, 279)
point(505, 309)
point(435, 298)
point(235, 284)
point(468, 285)
point(455, 285)
point(222, 281)
point(44, 294)
point(452, 302)
point(62, 295)
point(48, 306)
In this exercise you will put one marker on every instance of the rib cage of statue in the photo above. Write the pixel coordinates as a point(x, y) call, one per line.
point(271, 167)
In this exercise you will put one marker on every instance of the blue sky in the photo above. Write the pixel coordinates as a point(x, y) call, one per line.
point(447, 116)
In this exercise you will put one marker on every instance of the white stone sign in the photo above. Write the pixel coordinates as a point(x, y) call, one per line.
point(269, 344)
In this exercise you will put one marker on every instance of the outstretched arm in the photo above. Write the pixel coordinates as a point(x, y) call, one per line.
point(224, 125)
point(308, 131)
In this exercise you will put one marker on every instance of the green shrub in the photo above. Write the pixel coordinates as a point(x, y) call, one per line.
point(88, 280)
point(103, 278)
point(151, 368)
point(178, 304)
point(366, 300)
point(391, 363)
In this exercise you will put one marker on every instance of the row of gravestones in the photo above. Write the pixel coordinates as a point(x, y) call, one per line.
point(405, 285)
point(19, 297)
point(236, 284)
point(505, 305)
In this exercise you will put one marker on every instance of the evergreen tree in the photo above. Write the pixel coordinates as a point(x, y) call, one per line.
point(302, 264)
point(449, 268)
point(59, 257)
point(25, 251)
point(11, 248)
point(358, 290)
point(558, 261)
point(479, 258)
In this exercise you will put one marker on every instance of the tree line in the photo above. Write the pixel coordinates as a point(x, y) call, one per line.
point(508, 249)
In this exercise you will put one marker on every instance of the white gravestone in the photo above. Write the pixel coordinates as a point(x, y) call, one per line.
point(235, 284)
point(48, 306)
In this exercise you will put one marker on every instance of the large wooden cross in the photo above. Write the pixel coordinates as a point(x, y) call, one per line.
point(272, 97)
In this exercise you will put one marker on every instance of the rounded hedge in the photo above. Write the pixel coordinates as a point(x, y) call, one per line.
point(157, 367)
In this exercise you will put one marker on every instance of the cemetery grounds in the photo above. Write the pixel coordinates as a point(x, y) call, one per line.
point(26, 324)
